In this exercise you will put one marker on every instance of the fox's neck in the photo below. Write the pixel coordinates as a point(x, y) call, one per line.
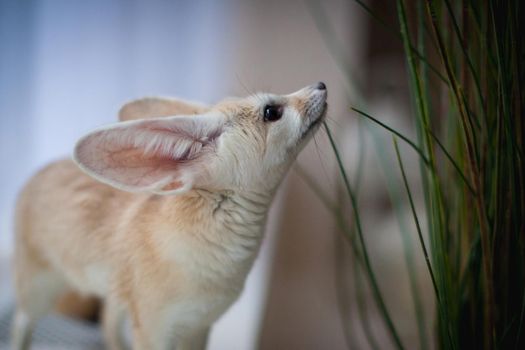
point(239, 218)
point(223, 230)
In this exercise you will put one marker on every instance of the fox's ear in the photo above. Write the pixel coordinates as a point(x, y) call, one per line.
point(152, 107)
point(161, 155)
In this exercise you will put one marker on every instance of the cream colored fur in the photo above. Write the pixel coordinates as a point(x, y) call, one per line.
point(172, 264)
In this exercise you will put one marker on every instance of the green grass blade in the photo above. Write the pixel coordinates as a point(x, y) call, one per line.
point(463, 47)
point(474, 175)
point(416, 221)
point(454, 163)
point(362, 309)
point(401, 136)
point(417, 149)
point(432, 188)
point(349, 235)
point(367, 264)
point(408, 250)
point(342, 293)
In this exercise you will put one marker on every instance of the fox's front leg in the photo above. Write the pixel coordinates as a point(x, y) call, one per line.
point(156, 329)
point(113, 323)
point(148, 332)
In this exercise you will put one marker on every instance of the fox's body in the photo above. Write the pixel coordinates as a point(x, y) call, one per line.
point(112, 243)
point(173, 264)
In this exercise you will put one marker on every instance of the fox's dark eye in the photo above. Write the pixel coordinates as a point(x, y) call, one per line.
point(272, 113)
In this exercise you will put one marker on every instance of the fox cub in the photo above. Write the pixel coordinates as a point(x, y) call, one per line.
point(161, 214)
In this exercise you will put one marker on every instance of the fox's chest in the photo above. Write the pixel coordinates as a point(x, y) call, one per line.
point(221, 252)
point(218, 265)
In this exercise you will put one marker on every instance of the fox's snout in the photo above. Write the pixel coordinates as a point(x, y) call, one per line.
point(317, 102)
point(311, 101)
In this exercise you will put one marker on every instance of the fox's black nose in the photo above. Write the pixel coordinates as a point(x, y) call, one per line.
point(321, 86)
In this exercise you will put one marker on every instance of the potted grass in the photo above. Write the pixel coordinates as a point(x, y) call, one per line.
point(470, 147)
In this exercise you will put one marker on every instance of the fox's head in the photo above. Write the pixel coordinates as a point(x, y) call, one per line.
point(245, 144)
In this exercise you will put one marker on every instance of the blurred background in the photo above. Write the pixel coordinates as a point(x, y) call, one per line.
point(67, 66)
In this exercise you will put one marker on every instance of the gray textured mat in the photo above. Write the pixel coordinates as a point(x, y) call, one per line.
point(56, 332)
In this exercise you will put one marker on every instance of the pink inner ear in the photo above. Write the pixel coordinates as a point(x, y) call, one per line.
point(118, 164)
point(151, 154)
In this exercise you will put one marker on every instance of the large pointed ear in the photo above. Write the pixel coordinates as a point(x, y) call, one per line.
point(152, 107)
point(162, 155)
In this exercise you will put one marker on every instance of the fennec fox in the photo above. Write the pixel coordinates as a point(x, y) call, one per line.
point(160, 214)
